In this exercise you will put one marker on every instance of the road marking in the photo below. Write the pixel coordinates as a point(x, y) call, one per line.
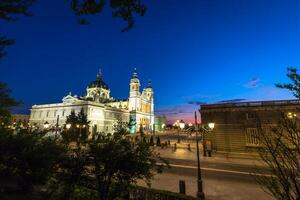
point(218, 170)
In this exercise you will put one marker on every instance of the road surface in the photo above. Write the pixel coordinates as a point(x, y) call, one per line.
point(221, 181)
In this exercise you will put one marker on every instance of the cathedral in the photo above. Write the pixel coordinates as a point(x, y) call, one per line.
point(102, 110)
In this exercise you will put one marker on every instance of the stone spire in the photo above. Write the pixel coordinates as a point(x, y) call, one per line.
point(135, 75)
point(149, 84)
point(99, 75)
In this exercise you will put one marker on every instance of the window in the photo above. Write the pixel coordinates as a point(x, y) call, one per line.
point(63, 113)
point(54, 113)
point(250, 115)
point(251, 137)
point(47, 115)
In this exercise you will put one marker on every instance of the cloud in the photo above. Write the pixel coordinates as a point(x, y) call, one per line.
point(175, 112)
point(198, 103)
point(231, 100)
point(200, 96)
point(253, 83)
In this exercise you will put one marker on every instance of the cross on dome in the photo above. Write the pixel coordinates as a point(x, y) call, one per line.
point(135, 73)
point(99, 75)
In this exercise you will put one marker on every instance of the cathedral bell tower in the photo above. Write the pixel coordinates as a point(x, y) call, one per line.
point(134, 94)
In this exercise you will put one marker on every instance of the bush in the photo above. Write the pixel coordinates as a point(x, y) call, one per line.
point(151, 143)
point(138, 192)
point(158, 142)
point(26, 159)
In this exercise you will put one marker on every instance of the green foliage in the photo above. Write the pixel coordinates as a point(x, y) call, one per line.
point(107, 164)
point(6, 103)
point(79, 128)
point(130, 162)
point(121, 128)
point(75, 167)
point(295, 85)
point(26, 159)
point(151, 143)
point(9, 9)
point(131, 124)
point(4, 42)
point(142, 134)
point(280, 151)
point(159, 194)
point(158, 143)
point(123, 9)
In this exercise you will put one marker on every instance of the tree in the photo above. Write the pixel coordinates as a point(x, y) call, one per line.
point(104, 166)
point(158, 143)
point(280, 150)
point(132, 125)
point(295, 85)
point(151, 141)
point(73, 171)
point(9, 9)
point(6, 103)
point(122, 9)
point(79, 127)
point(26, 160)
point(130, 162)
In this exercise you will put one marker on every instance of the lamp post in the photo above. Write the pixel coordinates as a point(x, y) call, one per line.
point(68, 126)
point(211, 126)
point(181, 126)
point(46, 125)
point(56, 127)
point(200, 193)
point(202, 128)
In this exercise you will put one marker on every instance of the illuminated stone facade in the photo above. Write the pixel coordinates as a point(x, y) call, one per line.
point(102, 110)
point(236, 123)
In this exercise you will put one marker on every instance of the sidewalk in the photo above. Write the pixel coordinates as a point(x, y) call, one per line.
point(182, 153)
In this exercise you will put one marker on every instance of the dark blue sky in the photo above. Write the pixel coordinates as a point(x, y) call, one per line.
point(196, 50)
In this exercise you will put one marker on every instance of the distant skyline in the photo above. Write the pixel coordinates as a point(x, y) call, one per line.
point(193, 52)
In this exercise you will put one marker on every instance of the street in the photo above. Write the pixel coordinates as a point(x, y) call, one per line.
point(222, 178)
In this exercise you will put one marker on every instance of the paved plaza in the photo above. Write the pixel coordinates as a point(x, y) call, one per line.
point(224, 176)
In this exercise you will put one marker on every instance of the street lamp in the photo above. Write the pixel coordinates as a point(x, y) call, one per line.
point(211, 125)
point(206, 129)
point(181, 124)
point(68, 126)
point(200, 193)
point(46, 125)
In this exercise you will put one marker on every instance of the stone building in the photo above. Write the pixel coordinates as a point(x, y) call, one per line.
point(20, 118)
point(102, 110)
point(236, 123)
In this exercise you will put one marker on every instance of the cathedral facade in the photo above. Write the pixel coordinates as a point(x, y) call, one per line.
point(102, 110)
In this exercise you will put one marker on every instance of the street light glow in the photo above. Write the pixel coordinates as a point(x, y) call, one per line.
point(68, 126)
point(211, 125)
point(46, 125)
point(181, 124)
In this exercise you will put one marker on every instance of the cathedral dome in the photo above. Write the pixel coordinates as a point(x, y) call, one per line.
point(98, 83)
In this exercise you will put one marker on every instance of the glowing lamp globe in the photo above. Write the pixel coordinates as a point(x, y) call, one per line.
point(181, 124)
point(211, 125)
